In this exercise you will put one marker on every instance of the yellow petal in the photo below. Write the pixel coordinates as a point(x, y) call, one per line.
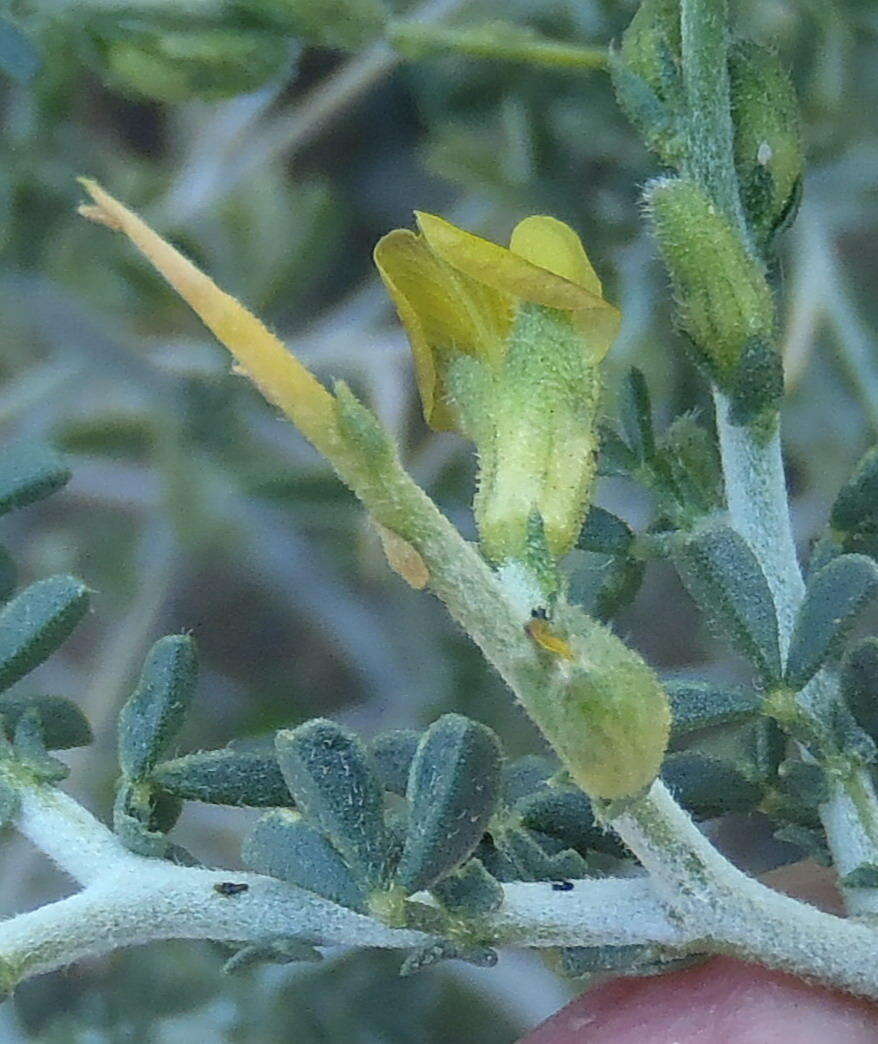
point(441, 310)
point(554, 246)
point(277, 372)
point(499, 267)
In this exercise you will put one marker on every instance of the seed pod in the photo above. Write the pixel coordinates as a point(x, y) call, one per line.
point(336, 788)
point(609, 721)
point(453, 788)
point(155, 712)
point(723, 297)
point(225, 777)
point(36, 622)
point(283, 845)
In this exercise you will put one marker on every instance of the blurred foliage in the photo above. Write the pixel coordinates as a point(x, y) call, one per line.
point(193, 507)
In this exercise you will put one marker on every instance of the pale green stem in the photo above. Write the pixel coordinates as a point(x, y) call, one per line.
point(759, 510)
point(497, 43)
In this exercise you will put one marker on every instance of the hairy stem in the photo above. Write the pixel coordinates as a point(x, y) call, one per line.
point(734, 914)
point(704, 37)
point(759, 510)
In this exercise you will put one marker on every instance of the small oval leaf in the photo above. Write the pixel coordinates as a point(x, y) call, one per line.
point(335, 786)
point(29, 471)
point(63, 723)
point(152, 717)
point(36, 622)
point(836, 595)
point(225, 777)
point(453, 789)
point(699, 705)
point(284, 846)
point(724, 577)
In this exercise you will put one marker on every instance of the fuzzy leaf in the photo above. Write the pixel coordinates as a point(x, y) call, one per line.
point(8, 575)
point(336, 788)
point(29, 471)
point(272, 951)
point(284, 846)
point(225, 777)
point(36, 622)
point(856, 506)
point(63, 723)
point(635, 415)
point(133, 821)
point(707, 786)
point(9, 803)
point(453, 789)
point(724, 577)
point(565, 813)
point(834, 598)
point(699, 705)
point(447, 950)
point(154, 714)
point(859, 684)
point(604, 533)
point(469, 892)
point(392, 754)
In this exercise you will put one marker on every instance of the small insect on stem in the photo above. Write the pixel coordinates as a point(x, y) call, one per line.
point(538, 629)
point(230, 888)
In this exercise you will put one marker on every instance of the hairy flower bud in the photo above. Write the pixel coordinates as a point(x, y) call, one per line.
point(723, 297)
point(768, 138)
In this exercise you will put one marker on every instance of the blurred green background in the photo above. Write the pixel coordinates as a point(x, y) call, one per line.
point(193, 506)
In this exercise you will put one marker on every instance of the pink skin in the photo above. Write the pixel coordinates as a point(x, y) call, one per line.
point(720, 1002)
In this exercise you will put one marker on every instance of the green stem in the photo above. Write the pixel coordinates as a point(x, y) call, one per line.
point(495, 42)
point(710, 160)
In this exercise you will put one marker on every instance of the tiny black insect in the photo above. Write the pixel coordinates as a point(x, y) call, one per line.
point(230, 888)
point(539, 613)
point(562, 886)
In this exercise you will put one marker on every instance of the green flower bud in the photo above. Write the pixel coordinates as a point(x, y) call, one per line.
point(768, 138)
point(609, 719)
point(646, 77)
point(723, 297)
point(651, 45)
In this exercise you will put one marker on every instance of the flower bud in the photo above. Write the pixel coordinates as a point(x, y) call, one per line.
point(768, 139)
point(609, 720)
point(723, 297)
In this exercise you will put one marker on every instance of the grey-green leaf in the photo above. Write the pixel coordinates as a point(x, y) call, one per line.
point(63, 723)
point(605, 533)
point(154, 714)
point(708, 786)
point(9, 803)
point(635, 414)
point(36, 622)
point(392, 754)
point(724, 577)
point(29, 471)
point(856, 506)
point(284, 846)
point(453, 789)
point(470, 891)
point(337, 789)
point(859, 684)
point(836, 595)
point(225, 777)
point(700, 705)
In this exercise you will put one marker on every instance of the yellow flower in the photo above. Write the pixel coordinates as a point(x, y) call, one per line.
point(458, 293)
